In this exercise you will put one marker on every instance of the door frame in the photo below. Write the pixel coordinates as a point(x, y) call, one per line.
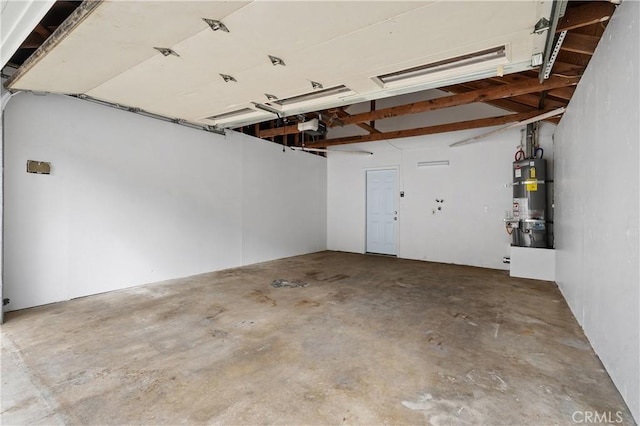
point(397, 202)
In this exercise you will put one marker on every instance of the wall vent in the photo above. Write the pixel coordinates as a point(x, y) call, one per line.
point(433, 163)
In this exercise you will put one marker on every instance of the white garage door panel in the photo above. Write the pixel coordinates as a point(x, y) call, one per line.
point(110, 56)
point(116, 37)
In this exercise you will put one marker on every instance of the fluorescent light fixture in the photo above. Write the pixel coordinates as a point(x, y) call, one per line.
point(313, 96)
point(433, 163)
point(446, 68)
point(540, 117)
point(302, 148)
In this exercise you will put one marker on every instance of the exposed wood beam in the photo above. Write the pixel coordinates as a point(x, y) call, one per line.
point(562, 93)
point(566, 68)
point(368, 127)
point(530, 99)
point(580, 43)
point(512, 78)
point(586, 14)
point(482, 95)
point(33, 41)
point(293, 128)
point(286, 130)
point(42, 31)
point(441, 128)
point(514, 104)
point(372, 107)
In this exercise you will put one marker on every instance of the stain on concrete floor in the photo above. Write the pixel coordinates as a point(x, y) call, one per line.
point(371, 340)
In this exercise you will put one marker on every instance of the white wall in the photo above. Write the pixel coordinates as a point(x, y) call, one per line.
point(469, 228)
point(597, 205)
point(133, 200)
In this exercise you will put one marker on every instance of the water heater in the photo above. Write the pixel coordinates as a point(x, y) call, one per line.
point(529, 203)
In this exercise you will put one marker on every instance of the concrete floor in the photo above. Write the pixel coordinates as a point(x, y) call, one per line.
point(370, 340)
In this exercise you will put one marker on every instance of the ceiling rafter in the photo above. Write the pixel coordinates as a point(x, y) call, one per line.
point(368, 127)
point(592, 12)
point(481, 95)
point(506, 104)
point(580, 43)
point(430, 130)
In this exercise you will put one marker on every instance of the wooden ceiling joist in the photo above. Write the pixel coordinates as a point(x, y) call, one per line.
point(342, 114)
point(492, 92)
point(430, 130)
point(482, 95)
point(586, 14)
point(567, 69)
point(505, 104)
point(562, 93)
point(278, 131)
point(580, 43)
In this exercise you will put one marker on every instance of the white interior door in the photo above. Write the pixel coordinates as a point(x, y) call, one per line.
point(382, 211)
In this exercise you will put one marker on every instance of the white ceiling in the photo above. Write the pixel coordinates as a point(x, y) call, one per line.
point(110, 55)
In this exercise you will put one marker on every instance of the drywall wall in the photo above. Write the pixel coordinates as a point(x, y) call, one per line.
point(284, 202)
point(4, 99)
point(597, 202)
point(469, 229)
point(133, 200)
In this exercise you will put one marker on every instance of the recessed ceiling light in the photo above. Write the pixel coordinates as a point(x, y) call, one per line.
point(216, 25)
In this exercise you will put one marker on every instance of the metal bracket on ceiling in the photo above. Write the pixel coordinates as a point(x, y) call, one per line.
point(556, 49)
point(316, 85)
point(276, 61)
point(541, 25)
point(557, 11)
point(216, 25)
point(166, 51)
point(268, 109)
point(271, 97)
point(140, 111)
point(227, 78)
